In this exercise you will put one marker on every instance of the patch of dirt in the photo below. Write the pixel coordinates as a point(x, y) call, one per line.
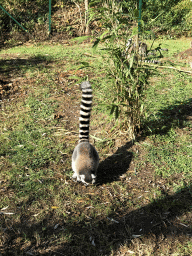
point(186, 54)
point(8, 88)
point(11, 82)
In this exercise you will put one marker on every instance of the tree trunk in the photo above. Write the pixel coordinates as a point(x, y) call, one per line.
point(87, 31)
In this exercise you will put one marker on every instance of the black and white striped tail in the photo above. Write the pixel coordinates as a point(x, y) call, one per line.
point(152, 61)
point(85, 111)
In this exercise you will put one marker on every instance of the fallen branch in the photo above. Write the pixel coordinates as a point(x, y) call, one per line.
point(186, 71)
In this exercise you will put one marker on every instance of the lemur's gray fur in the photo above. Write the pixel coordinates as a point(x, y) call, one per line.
point(85, 159)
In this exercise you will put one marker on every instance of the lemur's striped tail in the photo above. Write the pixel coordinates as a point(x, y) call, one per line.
point(85, 111)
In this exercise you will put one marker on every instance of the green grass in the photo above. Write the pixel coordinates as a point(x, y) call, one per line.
point(166, 107)
point(175, 46)
point(171, 154)
point(144, 190)
point(27, 149)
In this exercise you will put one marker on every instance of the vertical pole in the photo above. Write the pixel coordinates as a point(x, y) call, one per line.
point(49, 17)
point(140, 8)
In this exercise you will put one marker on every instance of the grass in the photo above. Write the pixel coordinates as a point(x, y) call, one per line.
point(142, 202)
point(174, 46)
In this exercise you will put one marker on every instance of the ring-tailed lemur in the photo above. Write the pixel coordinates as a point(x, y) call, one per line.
point(85, 159)
point(143, 51)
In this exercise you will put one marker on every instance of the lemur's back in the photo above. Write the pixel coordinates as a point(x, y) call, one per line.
point(85, 159)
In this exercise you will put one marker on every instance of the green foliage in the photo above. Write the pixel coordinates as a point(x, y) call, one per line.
point(166, 15)
point(186, 7)
point(21, 11)
point(127, 74)
point(159, 16)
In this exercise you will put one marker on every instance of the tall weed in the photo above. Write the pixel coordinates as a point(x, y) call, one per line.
point(126, 72)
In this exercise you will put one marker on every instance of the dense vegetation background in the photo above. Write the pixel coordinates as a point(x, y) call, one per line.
point(169, 17)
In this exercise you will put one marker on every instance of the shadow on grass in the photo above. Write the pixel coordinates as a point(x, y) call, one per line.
point(114, 166)
point(14, 66)
point(12, 69)
point(53, 236)
point(171, 117)
point(174, 116)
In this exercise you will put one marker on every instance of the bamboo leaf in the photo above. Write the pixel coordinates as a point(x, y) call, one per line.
point(96, 43)
point(116, 112)
point(112, 109)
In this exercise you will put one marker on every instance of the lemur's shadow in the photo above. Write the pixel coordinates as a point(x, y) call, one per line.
point(115, 165)
point(167, 118)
